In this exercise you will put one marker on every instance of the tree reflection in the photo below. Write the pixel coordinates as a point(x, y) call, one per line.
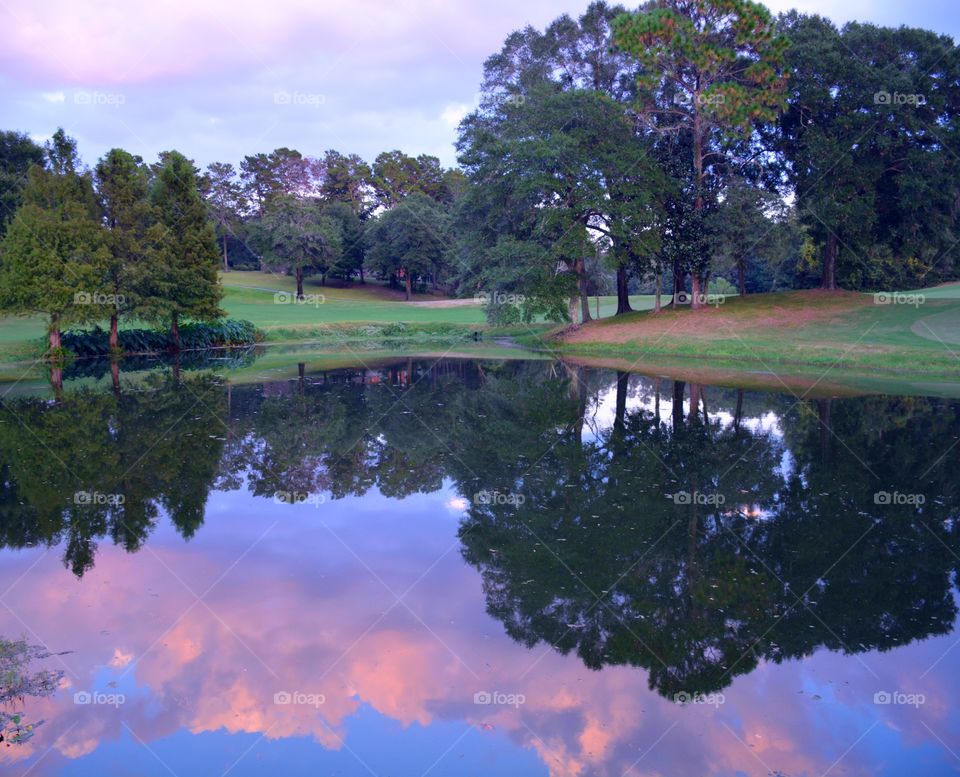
point(692, 531)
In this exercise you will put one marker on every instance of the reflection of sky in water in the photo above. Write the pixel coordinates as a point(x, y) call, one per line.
point(367, 602)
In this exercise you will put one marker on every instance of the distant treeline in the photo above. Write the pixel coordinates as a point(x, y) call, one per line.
point(702, 145)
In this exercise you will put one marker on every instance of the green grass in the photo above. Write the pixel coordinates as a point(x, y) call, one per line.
point(758, 333)
point(793, 328)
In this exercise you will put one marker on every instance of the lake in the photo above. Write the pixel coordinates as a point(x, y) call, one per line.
point(476, 567)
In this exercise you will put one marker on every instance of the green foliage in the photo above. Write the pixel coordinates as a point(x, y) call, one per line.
point(186, 283)
point(17, 153)
point(56, 247)
point(194, 335)
point(409, 240)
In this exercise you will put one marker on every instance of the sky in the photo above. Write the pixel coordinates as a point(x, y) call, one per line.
point(220, 79)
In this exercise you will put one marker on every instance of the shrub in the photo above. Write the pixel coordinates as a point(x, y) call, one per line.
point(194, 336)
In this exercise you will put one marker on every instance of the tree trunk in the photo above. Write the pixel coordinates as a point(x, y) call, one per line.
point(623, 295)
point(114, 332)
point(656, 299)
point(175, 331)
point(362, 280)
point(574, 305)
point(742, 276)
point(299, 274)
point(115, 376)
point(695, 292)
point(226, 266)
point(623, 384)
point(584, 299)
point(829, 278)
point(409, 284)
point(678, 386)
point(56, 381)
point(693, 412)
point(55, 342)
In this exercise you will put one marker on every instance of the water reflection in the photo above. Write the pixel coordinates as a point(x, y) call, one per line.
point(689, 538)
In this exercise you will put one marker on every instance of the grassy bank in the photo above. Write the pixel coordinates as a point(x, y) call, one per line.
point(809, 329)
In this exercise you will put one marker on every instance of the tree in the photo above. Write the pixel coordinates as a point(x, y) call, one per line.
point(396, 175)
point(54, 253)
point(409, 240)
point(224, 196)
point(744, 227)
point(344, 178)
point(575, 54)
point(298, 237)
point(709, 69)
point(133, 235)
point(186, 285)
point(572, 159)
point(865, 144)
point(17, 153)
point(349, 259)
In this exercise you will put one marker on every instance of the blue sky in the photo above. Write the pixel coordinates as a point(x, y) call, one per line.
point(218, 80)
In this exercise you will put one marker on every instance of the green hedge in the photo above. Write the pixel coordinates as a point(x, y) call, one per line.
point(194, 336)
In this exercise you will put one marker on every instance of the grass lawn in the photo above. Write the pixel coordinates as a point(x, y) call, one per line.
point(809, 328)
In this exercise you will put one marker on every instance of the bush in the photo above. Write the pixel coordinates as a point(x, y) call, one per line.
point(194, 336)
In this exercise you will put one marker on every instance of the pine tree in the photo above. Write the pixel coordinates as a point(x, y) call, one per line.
point(186, 284)
point(54, 254)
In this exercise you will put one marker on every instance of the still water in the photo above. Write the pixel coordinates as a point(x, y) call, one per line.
point(476, 568)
